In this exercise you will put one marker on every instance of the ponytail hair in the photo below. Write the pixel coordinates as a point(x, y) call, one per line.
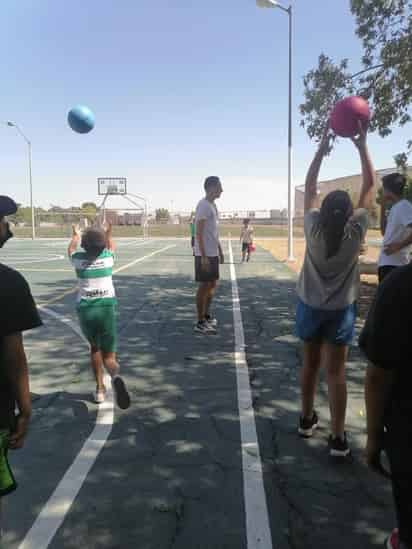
point(335, 211)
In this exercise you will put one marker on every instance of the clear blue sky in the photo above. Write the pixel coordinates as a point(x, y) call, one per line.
point(181, 89)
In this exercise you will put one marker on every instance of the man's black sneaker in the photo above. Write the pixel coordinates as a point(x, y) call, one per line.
point(308, 426)
point(338, 447)
point(203, 327)
point(211, 320)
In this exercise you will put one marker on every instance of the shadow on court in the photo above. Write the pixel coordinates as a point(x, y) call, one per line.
point(171, 470)
point(328, 504)
point(170, 474)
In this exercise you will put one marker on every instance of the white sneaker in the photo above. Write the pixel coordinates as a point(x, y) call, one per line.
point(99, 397)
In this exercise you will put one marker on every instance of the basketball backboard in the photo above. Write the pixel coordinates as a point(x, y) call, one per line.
point(112, 186)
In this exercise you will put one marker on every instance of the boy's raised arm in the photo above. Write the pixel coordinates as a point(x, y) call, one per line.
point(74, 242)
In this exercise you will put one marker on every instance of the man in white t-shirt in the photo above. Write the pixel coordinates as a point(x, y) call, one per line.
point(396, 227)
point(208, 254)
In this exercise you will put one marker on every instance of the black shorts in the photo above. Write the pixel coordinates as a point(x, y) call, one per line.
point(207, 276)
point(245, 247)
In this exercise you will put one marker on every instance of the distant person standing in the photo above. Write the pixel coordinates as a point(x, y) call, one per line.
point(192, 233)
point(208, 254)
point(397, 227)
point(19, 314)
point(246, 239)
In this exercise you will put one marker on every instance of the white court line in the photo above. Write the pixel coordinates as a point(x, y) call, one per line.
point(29, 270)
point(257, 519)
point(32, 259)
point(124, 267)
point(53, 513)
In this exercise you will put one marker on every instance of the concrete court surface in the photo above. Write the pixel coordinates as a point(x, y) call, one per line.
point(170, 474)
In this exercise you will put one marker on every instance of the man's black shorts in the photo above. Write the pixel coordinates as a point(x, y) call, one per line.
point(245, 247)
point(210, 275)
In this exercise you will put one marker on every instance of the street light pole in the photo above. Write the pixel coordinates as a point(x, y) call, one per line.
point(276, 4)
point(33, 229)
point(290, 145)
point(28, 143)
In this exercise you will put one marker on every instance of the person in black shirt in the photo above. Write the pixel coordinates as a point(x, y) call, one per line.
point(19, 314)
point(386, 342)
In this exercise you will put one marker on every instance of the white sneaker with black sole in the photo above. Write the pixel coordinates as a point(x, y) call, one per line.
point(121, 395)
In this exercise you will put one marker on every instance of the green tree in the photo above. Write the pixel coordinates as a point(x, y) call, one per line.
point(385, 29)
point(23, 215)
point(89, 211)
point(162, 215)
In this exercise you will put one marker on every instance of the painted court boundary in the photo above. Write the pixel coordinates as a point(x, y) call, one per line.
point(257, 519)
point(54, 512)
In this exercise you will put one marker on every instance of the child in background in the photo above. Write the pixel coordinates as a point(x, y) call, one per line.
point(246, 239)
point(396, 228)
point(96, 306)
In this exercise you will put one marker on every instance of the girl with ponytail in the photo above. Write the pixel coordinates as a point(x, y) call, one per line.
point(328, 289)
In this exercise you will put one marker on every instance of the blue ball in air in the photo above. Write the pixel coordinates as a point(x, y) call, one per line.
point(81, 119)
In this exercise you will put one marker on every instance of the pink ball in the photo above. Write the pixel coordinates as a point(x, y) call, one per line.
point(345, 117)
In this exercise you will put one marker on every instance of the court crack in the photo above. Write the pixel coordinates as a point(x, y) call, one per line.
point(179, 516)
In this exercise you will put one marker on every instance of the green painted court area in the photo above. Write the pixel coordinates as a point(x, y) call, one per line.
point(170, 471)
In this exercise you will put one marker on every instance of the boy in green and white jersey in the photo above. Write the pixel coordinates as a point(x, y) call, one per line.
point(96, 306)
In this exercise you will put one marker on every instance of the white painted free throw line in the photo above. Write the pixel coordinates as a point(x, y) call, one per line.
point(124, 267)
point(257, 519)
point(53, 513)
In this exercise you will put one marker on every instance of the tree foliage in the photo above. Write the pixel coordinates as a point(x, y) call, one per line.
point(89, 211)
point(385, 29)
point(162, 214)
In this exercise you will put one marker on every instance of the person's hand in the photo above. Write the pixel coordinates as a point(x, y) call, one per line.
point(392, 248)
point(360, 140)
point(221, 258)
point(16, 439)
point(205, 263)
point(75, 231)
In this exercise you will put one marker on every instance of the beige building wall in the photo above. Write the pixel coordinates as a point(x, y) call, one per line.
point(351, 184)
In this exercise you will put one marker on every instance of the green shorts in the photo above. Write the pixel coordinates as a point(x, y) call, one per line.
point(7, 481)
point(98, 324)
